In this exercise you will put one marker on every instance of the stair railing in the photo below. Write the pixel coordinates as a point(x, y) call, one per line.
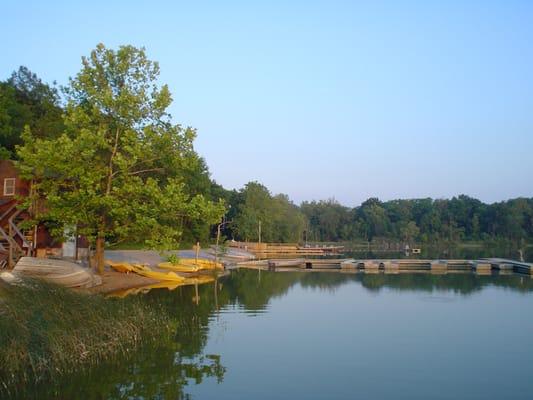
point(6, 213)
point(18, 232)
point(12, 242)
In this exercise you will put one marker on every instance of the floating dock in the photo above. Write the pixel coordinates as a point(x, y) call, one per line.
point(480, 266)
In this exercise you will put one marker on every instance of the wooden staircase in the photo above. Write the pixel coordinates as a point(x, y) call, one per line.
point(15, 240)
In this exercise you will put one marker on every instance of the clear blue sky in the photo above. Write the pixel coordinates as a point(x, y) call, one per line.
point(322, 99)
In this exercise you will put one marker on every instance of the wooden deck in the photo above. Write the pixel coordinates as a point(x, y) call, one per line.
point(266, 250)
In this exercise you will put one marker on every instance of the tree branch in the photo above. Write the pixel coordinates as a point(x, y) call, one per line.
point(113, 153)
point(145, 170)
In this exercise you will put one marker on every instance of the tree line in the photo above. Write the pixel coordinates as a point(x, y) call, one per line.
point(461, 218)
point(110, 162)
point(424, 220)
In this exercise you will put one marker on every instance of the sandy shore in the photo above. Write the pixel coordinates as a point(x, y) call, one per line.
point(113, 281)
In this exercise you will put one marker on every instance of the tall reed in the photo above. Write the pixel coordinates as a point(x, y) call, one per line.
point(47, 330)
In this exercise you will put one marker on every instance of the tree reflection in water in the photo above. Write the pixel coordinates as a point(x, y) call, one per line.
point(164, 369)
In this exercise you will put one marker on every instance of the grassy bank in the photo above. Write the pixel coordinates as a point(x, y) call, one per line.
point(46, 330)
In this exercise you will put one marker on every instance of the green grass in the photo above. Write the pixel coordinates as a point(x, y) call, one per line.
point(46, 330)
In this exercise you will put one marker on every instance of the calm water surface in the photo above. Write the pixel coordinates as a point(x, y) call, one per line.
point(314, 335)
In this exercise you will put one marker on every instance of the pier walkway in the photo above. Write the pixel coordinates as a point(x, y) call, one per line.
point(481, 266)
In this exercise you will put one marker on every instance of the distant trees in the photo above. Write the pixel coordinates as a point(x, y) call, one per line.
point(460, 218)
point(327, 220)
point(280, 219)
point(416, 220)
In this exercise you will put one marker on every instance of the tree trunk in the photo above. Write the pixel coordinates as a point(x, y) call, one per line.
point(100, 253)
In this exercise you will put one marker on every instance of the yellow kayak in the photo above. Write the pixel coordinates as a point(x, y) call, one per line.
point(162, 276)
point(203, 263)
point(179, 267)
point(120, 266)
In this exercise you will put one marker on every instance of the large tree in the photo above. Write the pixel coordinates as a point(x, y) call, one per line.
point(115, 172)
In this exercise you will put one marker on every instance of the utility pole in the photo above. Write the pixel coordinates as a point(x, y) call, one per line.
point(224, 222)
point(198, 251)
point(259, 232)
point(218, 239)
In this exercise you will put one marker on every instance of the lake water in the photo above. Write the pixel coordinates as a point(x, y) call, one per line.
point(313, 335)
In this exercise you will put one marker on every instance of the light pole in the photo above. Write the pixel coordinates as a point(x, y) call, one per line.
point(218, 236)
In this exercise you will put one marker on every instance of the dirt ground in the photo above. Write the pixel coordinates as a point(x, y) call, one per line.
point(113, 281)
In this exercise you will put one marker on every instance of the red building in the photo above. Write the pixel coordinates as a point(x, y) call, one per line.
point(17, 239)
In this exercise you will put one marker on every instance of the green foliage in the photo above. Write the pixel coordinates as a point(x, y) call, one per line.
point(327, 220)
point(460, 218)
point(26, 100)
point(416, 220)
point(173, 259)
point(281, 220)
point(116, 171)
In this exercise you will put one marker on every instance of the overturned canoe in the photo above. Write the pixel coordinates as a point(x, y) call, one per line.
point(61, 272)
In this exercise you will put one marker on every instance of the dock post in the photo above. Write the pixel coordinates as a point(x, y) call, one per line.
point(349, 264)
point(482, 267)
point(390, 265)
point(439, 266)
point(370, 265)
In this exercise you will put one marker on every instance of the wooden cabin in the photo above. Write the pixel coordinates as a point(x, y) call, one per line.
point(12, 184)
point(16, 239)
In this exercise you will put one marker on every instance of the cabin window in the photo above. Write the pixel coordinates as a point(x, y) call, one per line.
point(9, 186)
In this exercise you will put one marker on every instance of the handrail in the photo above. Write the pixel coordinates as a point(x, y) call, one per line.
point(12, 242)
point(25, 243)
point(8, 211)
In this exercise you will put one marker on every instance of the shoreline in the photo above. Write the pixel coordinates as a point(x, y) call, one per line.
point(113, 281)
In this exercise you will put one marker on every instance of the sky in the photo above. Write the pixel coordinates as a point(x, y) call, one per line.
point(321, 99)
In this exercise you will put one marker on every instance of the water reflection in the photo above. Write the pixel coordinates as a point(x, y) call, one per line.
point(167, 368)
point(461, 283)
point(503, 249)
point(169, 285)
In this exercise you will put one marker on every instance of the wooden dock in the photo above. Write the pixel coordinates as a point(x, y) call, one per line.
point(267, 250)
point(481, 266)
